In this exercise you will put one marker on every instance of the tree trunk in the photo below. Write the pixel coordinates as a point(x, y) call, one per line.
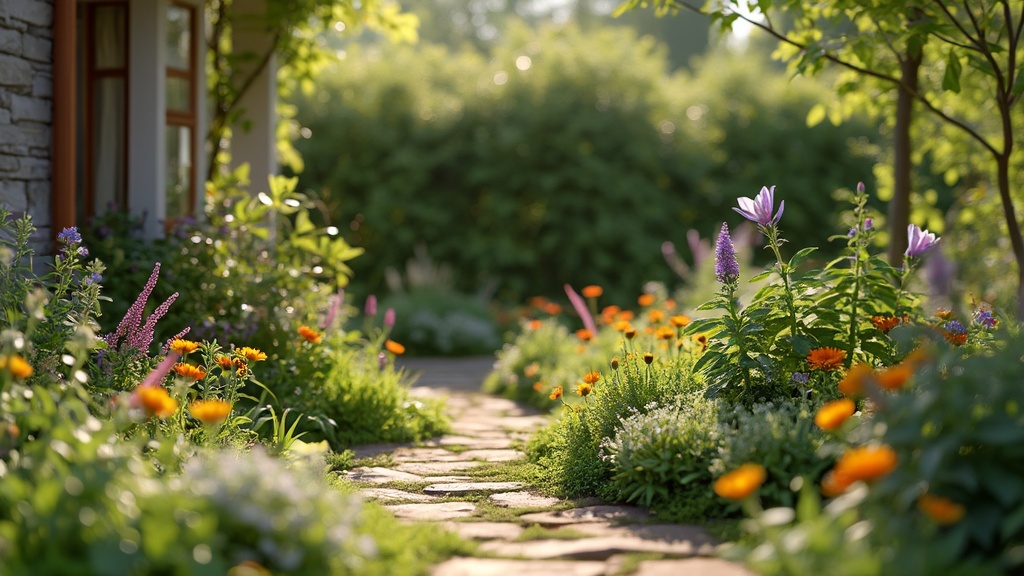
point(899, 206)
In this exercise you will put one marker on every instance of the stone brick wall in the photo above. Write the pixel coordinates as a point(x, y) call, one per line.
point(26, 97)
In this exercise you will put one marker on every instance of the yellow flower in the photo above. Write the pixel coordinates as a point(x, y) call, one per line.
point(310, 335)
point(701, 339)
point(556, 393)
point(656, 316)
point(584, 389)
point(941, 510)
point(183, 347)
point(210, 412)
point(592, 291)
point(394, 347)
point(826, 358)
point(853, 383)
point(591, 377)
point(679, 321)
point(665, 333)
point(648, 358)
point(741, 482)
point(832, 415)
point(189, 371)
point(944, 314)
point(16, 365)
point(251, 354)
point(156, 401)
point(630, 333)
point(226, 362)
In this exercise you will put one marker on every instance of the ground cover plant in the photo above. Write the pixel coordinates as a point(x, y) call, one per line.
point(822, 380)
point(125, 454)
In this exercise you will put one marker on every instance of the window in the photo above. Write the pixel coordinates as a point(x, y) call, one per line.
point(181, 111)
point(101, 164)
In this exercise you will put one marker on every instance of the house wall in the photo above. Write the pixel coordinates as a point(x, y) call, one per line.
point(26, 94)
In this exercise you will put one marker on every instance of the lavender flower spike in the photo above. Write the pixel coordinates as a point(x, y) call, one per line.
point(919, 241)
point(760, 208)
point(727, 269)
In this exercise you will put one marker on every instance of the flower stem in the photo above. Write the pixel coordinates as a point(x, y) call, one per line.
point(772, 233)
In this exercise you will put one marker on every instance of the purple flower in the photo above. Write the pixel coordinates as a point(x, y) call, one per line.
point(760, 208)
point(860, 187)
point(919, 241)
point(985, 318)
point(93, 278)
point(83, 251)
point(371, 305)
point(70, 235)
point(954, 327)
point(851, 233)
point(800, 377)
point(727, 269)
point(389, 318)
point(869, 223)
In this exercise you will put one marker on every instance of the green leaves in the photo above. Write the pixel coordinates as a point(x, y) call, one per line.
point(951, 78)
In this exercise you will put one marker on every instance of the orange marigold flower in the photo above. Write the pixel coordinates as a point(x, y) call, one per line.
point(17, 366)
point(592, 291)
point(538, 301)
point(623, 325)
point(251, 354)
point(894, 377)
point(210, 412)
point(189, 371)
point(552, 309)
point(630, 334)
point(853, 383)
point(885, 323)
point(626, 315)
point(183, 347)
point(944, 314)
point(656, 316)
point(940, 509)
point(679, 320)
point(609, 312)
point(866, 463)
point(648, 358)
point(226, 362)
point(538, 386)
point(242, 370)
point(591, 377)
point(531, 369)
point(615, 363)
point(741, 482)
point(535, 324)
point(156, 401)
point(310, 335)
point(394, 347)
point(670, 304)
point(833, 485)
point(645, 300)
point(826, 358)
point(556, 393)
point(584, 389)
point(665, 333)
point(832, 415)
point(584, 334)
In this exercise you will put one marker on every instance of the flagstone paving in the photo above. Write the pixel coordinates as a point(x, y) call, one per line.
point(434, 482)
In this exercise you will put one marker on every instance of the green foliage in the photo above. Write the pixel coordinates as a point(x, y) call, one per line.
point(409, 146)
point(781, 437)
point(660, 459)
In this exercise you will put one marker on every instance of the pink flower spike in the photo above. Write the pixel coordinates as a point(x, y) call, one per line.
point(155, 378)
point(919, 241)
point(581, 309)
point(389, 318)
point(759, 209)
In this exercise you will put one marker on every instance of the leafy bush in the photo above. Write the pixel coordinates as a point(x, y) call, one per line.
point(660, 459)
point(525, 159)
point(782, 437)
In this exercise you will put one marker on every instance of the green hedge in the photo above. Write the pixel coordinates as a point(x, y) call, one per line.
point(573, 169)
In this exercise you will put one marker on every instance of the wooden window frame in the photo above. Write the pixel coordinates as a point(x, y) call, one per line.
point(178, 118)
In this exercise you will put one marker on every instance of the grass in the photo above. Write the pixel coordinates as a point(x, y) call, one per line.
point(536, 532)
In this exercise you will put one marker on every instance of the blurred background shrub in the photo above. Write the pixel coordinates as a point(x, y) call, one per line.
point(559, 156)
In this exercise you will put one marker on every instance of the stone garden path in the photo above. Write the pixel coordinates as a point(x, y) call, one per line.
point(520, 532)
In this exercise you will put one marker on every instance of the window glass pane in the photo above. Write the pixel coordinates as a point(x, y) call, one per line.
point(109, 36)
point(108, 142)
point(179, 171)
point(179, 37)
point(178, 94)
